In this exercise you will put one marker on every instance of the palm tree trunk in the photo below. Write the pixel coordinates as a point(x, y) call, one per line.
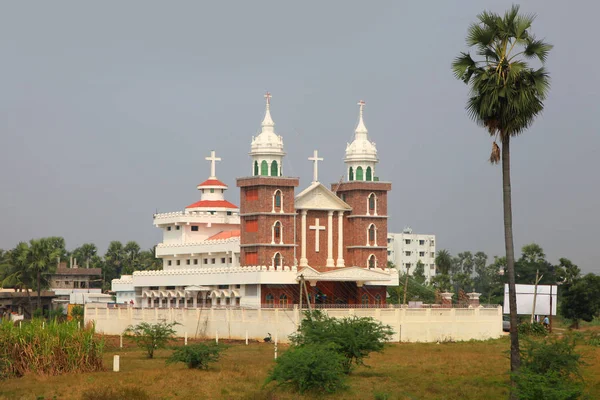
point(39, 289)
point(515, 357)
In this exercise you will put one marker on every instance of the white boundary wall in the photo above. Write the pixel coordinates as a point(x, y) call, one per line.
point(409, 324)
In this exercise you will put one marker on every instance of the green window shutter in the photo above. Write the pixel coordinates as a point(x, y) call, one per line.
point(351, 174)
point(369, 176)
point(359, 174)
point(264, 168)
point(274, 169)
point(255, 168)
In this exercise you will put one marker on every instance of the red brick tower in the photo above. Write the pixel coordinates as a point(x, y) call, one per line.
point(365, 230)
point(267, 208)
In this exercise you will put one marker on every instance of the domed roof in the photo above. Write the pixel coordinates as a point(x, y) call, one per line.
point(267, 142)
point(361, 148)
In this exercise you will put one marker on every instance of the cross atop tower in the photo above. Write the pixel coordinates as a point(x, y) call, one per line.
point(362, 106)
point(268, 97)
point(213, 159)
point(315, 159)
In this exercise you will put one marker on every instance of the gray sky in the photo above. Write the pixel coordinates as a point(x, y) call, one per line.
point(107, 110)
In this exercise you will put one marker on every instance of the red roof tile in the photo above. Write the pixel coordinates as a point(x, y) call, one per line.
point(212, 204)
point(212, 182)
point(225, 235)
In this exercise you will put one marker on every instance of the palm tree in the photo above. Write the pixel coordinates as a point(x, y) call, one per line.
point(15, 273)
point(85, 252)
point(506, 96)
point(443, 260)
point(132, 254)
point(42, 262)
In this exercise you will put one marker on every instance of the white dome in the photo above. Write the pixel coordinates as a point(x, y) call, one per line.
point(361, 149)
point(267, 142)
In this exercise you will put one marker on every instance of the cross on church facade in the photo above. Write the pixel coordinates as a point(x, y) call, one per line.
point(315, 159)
point(213, 168)
point(317, 228)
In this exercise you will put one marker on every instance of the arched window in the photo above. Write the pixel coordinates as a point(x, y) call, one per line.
point(364, 299)
point(283, 300)
point(372, 235)
point(372, 204)
point(269, 300)
point(264, 168)
point(378, 299)
point(255, 168)
point(277, 233)
point(372, 261)
point(277, 201)
point(351, 174)
point(277, 260)
point(274, 169)
point(359, 174)
point(369, 174)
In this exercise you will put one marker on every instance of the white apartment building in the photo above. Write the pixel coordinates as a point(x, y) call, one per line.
point(407, 248)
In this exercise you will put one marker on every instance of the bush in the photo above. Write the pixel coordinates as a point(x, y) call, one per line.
point(532, 329)
point(197, 355)
point(109, 393)
point(354, 338)
point(151, 337)
point(77, 313)
point(312, 367)
point(50, 349)
point(549, 370)
point(594, 339)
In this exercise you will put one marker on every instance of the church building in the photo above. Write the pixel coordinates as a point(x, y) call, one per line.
point(333, 238)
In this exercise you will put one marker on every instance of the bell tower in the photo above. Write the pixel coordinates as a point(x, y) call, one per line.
point(267, 210)
point(365, 233)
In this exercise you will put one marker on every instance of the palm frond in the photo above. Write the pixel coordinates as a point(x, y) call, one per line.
point(463, 67)
point(537, 48)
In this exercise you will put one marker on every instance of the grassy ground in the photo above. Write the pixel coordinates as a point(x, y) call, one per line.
point(469, 370)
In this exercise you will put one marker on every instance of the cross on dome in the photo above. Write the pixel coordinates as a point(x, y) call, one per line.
point(315, 159)
point(268, 97)
point(213, 159)
point(268, 121)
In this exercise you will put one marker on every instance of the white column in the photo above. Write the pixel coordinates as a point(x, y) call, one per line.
point(330, 239)
point(303, 260)
point(195, 300)
point(340, 259)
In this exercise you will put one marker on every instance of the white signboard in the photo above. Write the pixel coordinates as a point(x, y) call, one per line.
point(546, 295)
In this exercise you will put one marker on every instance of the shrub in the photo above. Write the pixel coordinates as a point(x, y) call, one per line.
point(197, 355)
point(150, 337)
point(354, 338)
point(77, 313)
point(53, 349)
point(549, 370)
point(312, 367)
point(532, 329)
point(110, 393)
point(594, 339)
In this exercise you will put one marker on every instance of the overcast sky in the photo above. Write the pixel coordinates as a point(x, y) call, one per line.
point(107, 110)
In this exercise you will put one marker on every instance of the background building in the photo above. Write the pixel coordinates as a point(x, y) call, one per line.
point(407, 248)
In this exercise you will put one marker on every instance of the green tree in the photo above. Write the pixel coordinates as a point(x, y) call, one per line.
point(85, 253)
point(419, 273)
point(16, 274)
point(114, 259)
point(581, 299)
point(354, 338)
point(533, 259)
point(132, 257)
point(42, 259)
point(567, 272)
point(443, 261)
point(151, 337)
point(506, 96)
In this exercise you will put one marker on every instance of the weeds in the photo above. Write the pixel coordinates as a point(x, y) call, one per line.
point(49, 348)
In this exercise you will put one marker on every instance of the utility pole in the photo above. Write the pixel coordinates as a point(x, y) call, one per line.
point(406, 284)
point(300, 285)
point(537, 280)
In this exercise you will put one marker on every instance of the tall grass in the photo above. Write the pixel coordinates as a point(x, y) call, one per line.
point(48, 348)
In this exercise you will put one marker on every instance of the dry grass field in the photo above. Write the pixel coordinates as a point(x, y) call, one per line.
point(468, 370)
